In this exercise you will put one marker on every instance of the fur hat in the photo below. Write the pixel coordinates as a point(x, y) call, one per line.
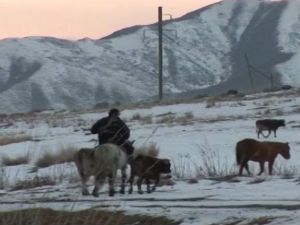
point(114, 112)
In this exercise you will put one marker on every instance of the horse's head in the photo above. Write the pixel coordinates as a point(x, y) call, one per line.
point(285, 152)
point(282, 123)
point(128, 147)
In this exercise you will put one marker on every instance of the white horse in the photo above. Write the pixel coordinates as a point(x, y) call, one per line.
point(101, 162)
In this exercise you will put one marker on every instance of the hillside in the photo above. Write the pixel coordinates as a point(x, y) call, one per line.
point(204, 53)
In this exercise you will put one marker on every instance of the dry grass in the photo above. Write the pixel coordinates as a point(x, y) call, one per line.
point(143, 119)
point(8, 161)
point(41, 216)
point(182, 168)
point(168, 119)
point(33, 183)
point(286, 172)
point(149, 150)
point(15, 139)
point(212, 164)
point(171, 118)
point(66, 154)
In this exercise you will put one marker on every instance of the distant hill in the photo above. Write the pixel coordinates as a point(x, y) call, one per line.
point(204, 52)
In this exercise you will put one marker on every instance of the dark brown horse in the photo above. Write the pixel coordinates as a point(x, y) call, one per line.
point(250, 149)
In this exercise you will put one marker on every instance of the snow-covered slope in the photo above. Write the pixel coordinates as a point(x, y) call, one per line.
point(203, 50)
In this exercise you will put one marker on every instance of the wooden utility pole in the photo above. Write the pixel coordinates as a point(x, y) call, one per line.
point(249, 72)
point(160, 55)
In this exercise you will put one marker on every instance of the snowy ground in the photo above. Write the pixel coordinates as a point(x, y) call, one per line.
point(197, 135)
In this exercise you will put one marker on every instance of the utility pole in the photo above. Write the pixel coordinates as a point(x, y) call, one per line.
point(249, 72)
point(160, 55)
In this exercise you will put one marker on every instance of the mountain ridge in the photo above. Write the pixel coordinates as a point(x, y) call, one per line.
point(204, 53)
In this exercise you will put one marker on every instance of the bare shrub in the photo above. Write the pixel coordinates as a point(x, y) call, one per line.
point(9, 161)
point(212, 164)
point(15, 139)
point(286, 172)
point(148, 150)
point(33, 183)
point(66, 154)
point(182, 167)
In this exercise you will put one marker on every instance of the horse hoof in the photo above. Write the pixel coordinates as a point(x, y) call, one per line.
point(141, 192)
point(85, 193)
point(111, 193)
point(122, 192)
point(130, 192)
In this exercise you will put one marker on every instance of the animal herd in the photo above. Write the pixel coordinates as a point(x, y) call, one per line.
point(105, 160)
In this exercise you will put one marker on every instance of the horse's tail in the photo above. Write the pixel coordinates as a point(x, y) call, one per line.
point(80, 157)
point(238, 154)
point(79, 163)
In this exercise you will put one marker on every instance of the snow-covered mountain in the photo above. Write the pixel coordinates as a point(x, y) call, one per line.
point(204, 52)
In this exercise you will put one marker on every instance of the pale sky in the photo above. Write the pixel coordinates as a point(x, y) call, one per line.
point(75, 19)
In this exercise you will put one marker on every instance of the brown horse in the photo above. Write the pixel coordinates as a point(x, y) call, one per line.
point(250, 149)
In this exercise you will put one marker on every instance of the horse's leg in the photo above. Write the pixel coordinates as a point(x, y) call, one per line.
point(131, 180)
point(258, 132)
point(148, 185)
point(271, 166)
point(139, 184)
point(241, 169)
point(85, 190)
point(156, 183)
point(242, 165)
point(111, 183)
point(99, 181)
point(274, 133)
point(247, 168)
point(122, 190)
point(262, 167)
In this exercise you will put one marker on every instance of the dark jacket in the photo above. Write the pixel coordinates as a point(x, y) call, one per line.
point(111, 129)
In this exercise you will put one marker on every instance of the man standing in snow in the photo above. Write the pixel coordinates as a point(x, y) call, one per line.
point(111, 129)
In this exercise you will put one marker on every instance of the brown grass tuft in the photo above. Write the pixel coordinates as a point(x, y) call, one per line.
point(8, 161)
point(33, 183)
point(15, 139)
point(62, 156)
point(150, 150)
point(143, 119)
